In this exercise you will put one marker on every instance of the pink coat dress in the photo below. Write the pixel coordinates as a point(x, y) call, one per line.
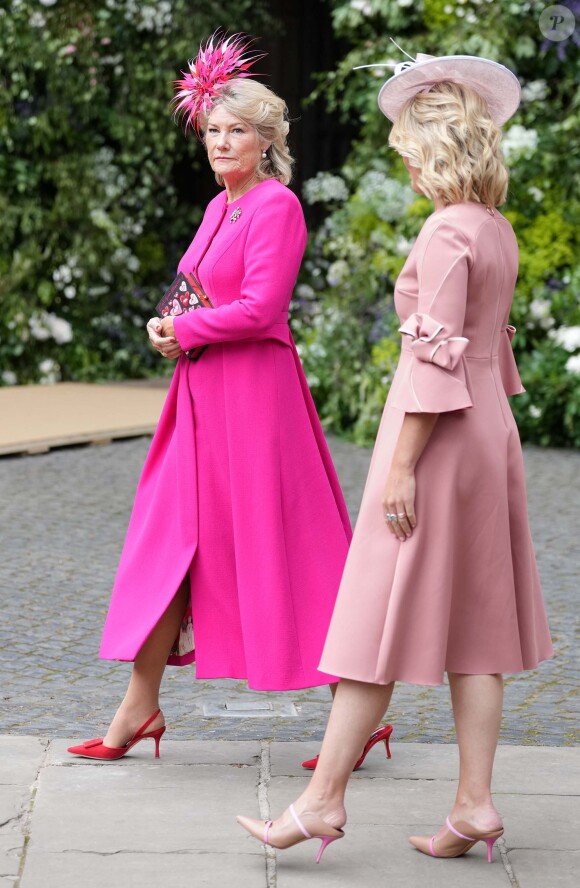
point(238, 488)
point(462, 594)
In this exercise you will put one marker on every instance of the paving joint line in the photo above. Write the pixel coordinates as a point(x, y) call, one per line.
point(26, 816)
point(504, 854)
point(265, 775)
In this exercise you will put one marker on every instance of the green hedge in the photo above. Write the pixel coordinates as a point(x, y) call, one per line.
point(346, 326)
point(93, 216)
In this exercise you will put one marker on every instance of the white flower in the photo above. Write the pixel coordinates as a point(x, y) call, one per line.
point(540, 308)
point(534, 91)
point(404, 246)
point(534, 411)
point(37, 20)
point(573, 365)
point(540, 311)
point(70, 292)
point(362, 6)
point(405, 3)
point(9, 377)
point(37, 328)
point(337, 273)
point(47, 2)
point(536, 193)
point(49, 370)
point(45, 325)
point(519, 142)
point(388, 198)
point(567, 337)
point(304, 291)
point(325, 187)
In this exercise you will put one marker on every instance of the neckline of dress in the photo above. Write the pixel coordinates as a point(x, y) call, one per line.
point(245, 194)
point(462, 203)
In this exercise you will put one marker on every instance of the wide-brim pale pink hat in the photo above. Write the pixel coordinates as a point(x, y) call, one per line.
point(496, 83)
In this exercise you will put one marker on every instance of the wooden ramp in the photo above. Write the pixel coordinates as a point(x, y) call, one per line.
point(35, 418)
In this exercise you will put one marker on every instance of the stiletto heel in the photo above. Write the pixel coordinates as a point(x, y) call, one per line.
point(328, 840)
point(382, 733)
point(157, 735)
point(387, 745)
point(490, 843)
point(294, 833)
point(96, 749)
point(454, 843)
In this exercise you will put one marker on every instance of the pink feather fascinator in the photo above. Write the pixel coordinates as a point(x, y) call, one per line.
point(217, 62)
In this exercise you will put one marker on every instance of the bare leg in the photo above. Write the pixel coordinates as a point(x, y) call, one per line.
point(357, 709)
point(142, 697)
point(477, 708)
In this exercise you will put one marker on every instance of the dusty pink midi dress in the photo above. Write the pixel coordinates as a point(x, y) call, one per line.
point(462, 594)
point(238, 490)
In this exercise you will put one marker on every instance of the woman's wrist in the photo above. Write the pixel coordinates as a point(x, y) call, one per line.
point(403, 465)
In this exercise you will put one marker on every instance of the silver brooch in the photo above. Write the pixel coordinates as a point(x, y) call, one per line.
point(236, 214)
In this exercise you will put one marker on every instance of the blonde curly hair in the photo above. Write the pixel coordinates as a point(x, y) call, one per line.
point(449, 135)
point(261, 108)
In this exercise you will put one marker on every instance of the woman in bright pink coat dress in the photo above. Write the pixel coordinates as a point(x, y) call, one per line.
point(239, 527)
point(441, 574)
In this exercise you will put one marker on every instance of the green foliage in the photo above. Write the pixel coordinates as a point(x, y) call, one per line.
point(93, 219)
point(347, 322)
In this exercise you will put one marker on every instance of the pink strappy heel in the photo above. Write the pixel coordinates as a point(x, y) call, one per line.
point(293, 835)
point(459, 842)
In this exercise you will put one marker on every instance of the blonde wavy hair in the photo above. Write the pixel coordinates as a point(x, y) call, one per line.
point(449, 135)
point(259, 107)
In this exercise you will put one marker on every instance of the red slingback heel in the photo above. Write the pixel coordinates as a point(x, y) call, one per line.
point(382, 733)
point(96, 749)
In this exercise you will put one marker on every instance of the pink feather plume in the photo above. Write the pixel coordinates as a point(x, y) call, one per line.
point(216, 63)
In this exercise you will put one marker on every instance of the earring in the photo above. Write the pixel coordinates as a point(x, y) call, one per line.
point(264, 155)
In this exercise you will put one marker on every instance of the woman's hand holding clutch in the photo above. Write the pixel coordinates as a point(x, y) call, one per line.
point(162, 338)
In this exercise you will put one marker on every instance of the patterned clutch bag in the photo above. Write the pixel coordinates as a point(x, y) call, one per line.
point(185, 294)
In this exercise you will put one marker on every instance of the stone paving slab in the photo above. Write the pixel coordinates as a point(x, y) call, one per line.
point(116, 808)
point(20, 761)
point(546, 869)
point(383, 857)
point(555, 773)
point(144, 870)
point(143, 823)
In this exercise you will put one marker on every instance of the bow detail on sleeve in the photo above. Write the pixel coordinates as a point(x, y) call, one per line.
point(429, 344)
point(508, 368)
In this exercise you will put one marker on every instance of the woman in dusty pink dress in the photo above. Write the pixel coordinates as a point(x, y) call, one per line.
point(239, 529)
point(441, 574)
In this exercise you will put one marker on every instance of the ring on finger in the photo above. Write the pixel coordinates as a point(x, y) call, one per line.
point(390, 517)
point(402, 515)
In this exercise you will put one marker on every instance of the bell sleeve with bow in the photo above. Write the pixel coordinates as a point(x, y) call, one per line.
point(434, 379)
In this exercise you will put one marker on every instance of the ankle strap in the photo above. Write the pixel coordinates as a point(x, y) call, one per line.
point(458, 834)
point(299, 823)
point(152, 718)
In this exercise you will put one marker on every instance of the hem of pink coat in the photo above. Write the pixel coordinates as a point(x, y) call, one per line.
point(290, 685)
point(460, 669)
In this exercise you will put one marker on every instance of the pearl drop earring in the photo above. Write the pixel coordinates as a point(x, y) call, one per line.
point(264, 155)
